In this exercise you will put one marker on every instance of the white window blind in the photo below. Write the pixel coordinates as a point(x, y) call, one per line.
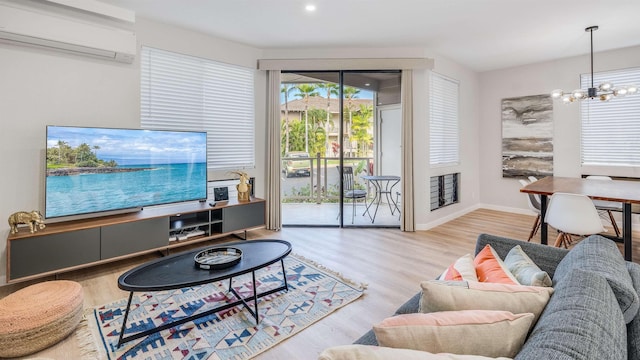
point(180, 92)
point(443, 121)
point(610, 130)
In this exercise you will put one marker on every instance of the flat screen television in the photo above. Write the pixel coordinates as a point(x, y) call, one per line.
point(94, 171)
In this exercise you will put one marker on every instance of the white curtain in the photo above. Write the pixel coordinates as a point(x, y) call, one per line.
point(274, 211)
point(407, 222)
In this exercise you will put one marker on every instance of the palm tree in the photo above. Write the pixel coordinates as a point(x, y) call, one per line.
point(286, 89)
point(349, 93)
point(330, 88)
point(305, 91)
point(361, 125)
point(62, 147)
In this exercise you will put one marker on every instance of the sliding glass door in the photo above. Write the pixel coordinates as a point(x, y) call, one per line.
point(330, 128)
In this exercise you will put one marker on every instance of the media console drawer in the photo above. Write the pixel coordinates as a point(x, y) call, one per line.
point(40, 254)
point(121, 239)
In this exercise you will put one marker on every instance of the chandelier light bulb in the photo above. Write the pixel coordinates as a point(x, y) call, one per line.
point(557, 93)
point(622, 91)
point(605, 97)
point(567, 98)
point(632, 89)
point(579, 94)
point(606, 86)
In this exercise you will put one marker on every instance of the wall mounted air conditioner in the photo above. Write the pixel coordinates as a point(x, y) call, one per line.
point(25, 27)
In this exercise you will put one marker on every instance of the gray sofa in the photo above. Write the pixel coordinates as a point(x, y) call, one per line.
point(593, 313)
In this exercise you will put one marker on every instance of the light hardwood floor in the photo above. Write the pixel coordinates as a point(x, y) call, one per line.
point(391, 262)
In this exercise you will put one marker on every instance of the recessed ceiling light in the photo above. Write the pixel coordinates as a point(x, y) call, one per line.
point(367, 84)
point(310, 8)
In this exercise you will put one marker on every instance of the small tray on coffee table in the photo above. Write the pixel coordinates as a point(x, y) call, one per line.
point(217, 258)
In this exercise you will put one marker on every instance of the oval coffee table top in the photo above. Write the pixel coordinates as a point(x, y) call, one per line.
point(179, 270)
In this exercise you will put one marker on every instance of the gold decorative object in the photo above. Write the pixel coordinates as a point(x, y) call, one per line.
point(244, 188)
point(34, 219)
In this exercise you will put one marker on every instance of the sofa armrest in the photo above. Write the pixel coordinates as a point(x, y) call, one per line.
point(546, 257)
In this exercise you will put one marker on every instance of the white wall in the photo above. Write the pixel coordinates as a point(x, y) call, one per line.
point(537, 79)
point(40, 87)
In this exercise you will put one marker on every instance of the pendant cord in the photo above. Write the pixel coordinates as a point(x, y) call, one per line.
point(591, 31)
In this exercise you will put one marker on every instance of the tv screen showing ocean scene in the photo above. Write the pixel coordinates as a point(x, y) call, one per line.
point(93, 170)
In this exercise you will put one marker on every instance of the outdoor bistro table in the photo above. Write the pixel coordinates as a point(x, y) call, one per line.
point(622, 191)
point(179, 271)
point(384, 185)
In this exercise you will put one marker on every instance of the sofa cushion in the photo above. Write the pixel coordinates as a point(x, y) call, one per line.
point(633, 328)
point(602, 256)
point(462, 295)
point(473, 332)
point(364, 352)
point(524, 269)
point(581, 321)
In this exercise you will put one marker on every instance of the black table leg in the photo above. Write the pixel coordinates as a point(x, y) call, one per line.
point(124, 321)
point(626, 230)
point(543, 224)
point(284, 275)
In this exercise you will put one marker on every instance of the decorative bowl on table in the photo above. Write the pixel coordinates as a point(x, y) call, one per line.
point(217, 258)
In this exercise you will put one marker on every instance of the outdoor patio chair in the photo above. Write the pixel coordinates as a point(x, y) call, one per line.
point(350, 192)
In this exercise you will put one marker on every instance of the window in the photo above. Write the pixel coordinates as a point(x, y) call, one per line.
point(610, 130)
point(443, 121)
point(444, 190)
point(180, 92)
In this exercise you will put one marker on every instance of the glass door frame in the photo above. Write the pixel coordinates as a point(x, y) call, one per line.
point(341, 142)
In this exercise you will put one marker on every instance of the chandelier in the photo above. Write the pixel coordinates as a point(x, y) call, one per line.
point(605, 91)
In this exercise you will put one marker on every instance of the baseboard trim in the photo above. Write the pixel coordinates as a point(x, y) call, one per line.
point(635, 219)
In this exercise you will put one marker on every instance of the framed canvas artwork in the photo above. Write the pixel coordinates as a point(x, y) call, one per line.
point(527, 136)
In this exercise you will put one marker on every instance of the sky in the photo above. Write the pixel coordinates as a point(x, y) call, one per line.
point(363, 94)
point(134, 146)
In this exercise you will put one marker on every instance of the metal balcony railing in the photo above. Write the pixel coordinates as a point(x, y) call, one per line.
point(323, 172)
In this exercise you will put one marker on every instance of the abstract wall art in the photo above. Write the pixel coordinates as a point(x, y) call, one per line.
point(527, 136)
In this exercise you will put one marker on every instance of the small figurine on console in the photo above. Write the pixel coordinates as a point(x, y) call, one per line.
point(34, 219)
point(244, 188)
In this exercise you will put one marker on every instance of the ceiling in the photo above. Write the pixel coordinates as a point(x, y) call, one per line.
point(479, 34)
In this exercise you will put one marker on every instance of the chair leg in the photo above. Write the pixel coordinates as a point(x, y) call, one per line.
point(534, 229)
point(567, 240)
point(559, 240)
point(614, 223)
point(353, 212)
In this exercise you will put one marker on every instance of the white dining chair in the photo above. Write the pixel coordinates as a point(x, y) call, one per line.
point(572, 214)
point(534, 205)
point(606, 208)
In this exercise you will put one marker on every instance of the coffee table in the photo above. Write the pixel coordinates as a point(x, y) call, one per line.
point(179, 271)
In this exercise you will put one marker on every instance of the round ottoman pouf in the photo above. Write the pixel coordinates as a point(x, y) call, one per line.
point(39, 316)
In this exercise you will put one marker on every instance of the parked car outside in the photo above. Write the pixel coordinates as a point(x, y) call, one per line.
point(291, 166)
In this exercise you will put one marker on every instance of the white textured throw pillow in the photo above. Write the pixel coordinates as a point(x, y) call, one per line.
point(524, 269)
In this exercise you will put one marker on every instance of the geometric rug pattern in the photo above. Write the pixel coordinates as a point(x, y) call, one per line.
point(314, 292)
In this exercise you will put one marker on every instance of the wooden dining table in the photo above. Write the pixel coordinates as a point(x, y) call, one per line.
point(622, 191)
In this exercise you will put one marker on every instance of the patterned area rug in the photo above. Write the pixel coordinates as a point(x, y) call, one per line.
point(314, 292)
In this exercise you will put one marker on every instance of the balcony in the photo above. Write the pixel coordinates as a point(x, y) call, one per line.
point(306, 203)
